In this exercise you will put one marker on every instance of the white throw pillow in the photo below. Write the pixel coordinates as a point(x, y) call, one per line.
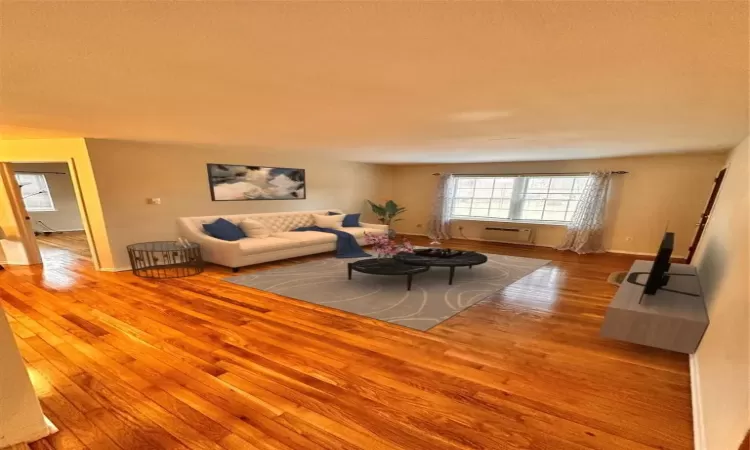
point(328, 221)
point(254, 229)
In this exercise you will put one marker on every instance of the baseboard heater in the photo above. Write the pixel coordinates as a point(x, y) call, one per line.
point(509, 235)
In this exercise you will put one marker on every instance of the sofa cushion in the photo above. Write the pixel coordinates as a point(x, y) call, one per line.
point(254, 229)
point(224, 230)
point(350, 220)
point(328, 221)
point(284, 222)
point(251, 246)
point(307, 237)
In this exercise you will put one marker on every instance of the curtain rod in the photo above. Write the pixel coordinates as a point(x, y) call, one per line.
point(619, 172)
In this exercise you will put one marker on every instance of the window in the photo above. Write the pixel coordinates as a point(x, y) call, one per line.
point(531, 198)
point(35, 192)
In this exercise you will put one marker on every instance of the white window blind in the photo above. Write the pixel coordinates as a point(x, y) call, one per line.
point(35, 192)
point(521, 198)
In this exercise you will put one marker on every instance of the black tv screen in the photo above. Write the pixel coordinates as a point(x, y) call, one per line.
point(658, 277)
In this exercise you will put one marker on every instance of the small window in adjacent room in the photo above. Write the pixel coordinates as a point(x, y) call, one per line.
point(518, 198)
point(35, 192)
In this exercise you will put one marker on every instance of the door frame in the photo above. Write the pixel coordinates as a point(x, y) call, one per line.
point(20, 239)
point(701, 225)
point(75, 152)
point(28, 238)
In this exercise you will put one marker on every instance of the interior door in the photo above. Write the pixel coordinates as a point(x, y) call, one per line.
point(19, 245)
point(701, 225)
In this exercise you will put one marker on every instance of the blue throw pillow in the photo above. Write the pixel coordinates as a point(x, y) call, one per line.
point(350, 220)
point(224, 230)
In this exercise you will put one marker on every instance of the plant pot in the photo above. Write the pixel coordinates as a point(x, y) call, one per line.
point(391, 233)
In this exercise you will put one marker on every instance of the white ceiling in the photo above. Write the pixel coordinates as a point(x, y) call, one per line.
point(382, 81)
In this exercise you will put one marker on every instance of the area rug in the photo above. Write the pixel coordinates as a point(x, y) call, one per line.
point(430, 301)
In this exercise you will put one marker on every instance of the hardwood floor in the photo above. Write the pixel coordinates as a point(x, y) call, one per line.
point(54, 246)
point(125, 363)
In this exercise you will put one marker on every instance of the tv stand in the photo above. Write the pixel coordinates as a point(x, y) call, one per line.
point(674, 318)
point(633, 279)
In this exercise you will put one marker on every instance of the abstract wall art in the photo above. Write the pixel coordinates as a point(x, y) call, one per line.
point(238, 183)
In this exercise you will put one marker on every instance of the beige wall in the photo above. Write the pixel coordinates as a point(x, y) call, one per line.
point(66, 216)
point(658, 190)
point(128, 173)
point(720, 366)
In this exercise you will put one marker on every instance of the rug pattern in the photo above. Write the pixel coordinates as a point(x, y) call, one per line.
point(430, 302)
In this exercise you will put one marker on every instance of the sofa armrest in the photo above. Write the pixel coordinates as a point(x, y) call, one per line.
point(224, 253)
point(193, 234)
point(377, 226)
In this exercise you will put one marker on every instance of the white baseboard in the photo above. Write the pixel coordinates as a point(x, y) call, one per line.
point(18, 263)
point(60, 231)
point(699, 435)
point(628, 252)
point(114, 269)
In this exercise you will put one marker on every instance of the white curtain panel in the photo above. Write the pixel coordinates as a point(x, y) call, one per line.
point(439, 224)
point(586, 230)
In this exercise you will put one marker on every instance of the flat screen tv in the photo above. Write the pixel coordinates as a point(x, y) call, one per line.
point(658, 276)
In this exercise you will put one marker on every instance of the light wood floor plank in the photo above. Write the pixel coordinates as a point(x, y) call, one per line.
point(126, 363)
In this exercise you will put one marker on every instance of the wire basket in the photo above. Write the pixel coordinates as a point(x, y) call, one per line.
point(165, 259)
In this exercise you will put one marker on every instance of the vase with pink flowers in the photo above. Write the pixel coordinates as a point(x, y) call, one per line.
point(385, 247)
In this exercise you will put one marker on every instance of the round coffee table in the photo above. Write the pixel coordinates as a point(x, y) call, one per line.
point(375, 266)
point(466, 259)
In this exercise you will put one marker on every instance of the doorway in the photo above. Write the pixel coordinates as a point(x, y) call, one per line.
point(701, 225)
point(52, 211)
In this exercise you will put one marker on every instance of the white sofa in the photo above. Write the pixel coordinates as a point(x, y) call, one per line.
point(282, 244)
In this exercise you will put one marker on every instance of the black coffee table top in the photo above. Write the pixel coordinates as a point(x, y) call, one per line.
point(465, 259)
point(388, 266)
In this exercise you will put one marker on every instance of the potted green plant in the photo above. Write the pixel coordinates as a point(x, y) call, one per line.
point(387, 213)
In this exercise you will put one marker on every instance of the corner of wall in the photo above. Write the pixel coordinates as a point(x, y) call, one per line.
point(720, 368)
point(385, 183)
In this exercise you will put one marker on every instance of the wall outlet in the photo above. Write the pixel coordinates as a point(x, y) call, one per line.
point(153, 201)
point(628, 238)
point(419, 225)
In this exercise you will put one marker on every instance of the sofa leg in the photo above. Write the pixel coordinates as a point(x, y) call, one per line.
point(235, 269)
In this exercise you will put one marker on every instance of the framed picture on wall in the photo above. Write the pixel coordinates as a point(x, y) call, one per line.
point(230, 182)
